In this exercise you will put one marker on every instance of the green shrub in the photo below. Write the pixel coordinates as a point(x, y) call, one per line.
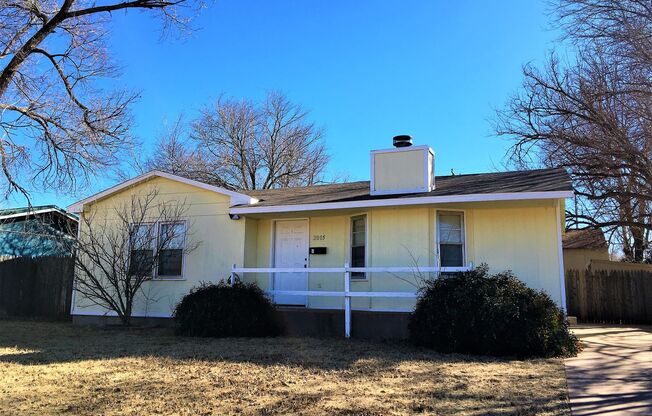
point(222, 310)
point(476, 313)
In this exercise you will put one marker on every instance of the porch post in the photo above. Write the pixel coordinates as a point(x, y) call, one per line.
point(347, 301)
point(232, 277)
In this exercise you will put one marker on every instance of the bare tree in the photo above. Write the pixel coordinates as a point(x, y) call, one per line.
point(174, 153)
point(56, 125)
point(121, 249)
point(621, 28)
point(238, 144)
point(593, 116)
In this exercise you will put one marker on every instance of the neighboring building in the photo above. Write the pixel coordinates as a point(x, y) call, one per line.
point(37, 231)
point(583, 245)
point(404, 217)
point(618, 266)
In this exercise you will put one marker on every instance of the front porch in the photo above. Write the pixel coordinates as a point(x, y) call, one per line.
point(303, 319)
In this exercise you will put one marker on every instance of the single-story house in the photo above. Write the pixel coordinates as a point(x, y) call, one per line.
point(583, 245)
point(37, 231)
point(372, 241)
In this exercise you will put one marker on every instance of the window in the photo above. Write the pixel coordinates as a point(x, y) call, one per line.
point(451, 239)
point(171, 241)
point(169, 238)
point(358, 244)
point(142, 250)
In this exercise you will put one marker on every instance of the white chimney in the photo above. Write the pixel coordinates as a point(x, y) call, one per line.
point(404, 169)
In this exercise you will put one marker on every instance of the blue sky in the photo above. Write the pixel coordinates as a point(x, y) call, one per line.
point(366, 70)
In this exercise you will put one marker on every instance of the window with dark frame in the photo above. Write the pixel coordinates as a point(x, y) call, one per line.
point(358, 244)
point(170, 241)
point(451, 239)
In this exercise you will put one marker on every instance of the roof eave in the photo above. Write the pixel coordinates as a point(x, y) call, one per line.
point(369, 203)
point(40, 211)
point(236, 197)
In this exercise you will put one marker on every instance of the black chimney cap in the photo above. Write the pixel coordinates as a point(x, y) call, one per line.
point(402, 140)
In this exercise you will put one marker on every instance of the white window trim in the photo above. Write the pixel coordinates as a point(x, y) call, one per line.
point(464, 236)
point(157, 225)
point(366, 244)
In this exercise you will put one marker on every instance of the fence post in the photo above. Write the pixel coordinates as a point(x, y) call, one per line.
point(232, 277)
point(347, 301)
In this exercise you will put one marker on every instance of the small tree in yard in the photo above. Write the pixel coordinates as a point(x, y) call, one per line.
point(117, 253)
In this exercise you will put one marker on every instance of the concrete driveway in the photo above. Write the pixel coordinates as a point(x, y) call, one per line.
point(613, 375)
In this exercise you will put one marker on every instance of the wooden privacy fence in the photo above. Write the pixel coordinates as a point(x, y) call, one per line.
point(610, 296)
point(36, 287)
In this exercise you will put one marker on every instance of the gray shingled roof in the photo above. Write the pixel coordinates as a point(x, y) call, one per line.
point(587, 238)
point(541, 180)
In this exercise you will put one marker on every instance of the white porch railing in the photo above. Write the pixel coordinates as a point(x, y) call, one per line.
point(347, 294)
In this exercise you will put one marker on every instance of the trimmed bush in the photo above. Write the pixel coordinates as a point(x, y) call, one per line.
point(222, 310)
point(475, 313)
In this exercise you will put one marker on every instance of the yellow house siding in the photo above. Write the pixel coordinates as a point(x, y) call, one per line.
point(399, 170)
point(521, 239)
point(334, 231)
point(520, 236)
point(221, 243)
point(516, 235)
point(399, 237)
point(251, 238)
point(262, 245)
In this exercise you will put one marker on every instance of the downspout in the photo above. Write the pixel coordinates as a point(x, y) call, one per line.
point(560, 255)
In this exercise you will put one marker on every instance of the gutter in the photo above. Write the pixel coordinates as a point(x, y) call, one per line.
point(390, 202)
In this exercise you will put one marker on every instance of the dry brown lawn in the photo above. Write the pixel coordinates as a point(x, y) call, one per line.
point(55, 368)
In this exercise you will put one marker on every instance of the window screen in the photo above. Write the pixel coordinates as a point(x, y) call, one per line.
point(451, 239)
point(142, 250)
point(171, 242)
point(358, 244)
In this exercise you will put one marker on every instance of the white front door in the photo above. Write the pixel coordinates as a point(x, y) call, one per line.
point(291, 250)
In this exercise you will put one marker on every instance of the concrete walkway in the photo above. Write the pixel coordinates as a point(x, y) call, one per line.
point(613, 375)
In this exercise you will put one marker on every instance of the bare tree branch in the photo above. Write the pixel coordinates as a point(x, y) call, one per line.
point(52, 53)
point(593, 116)
point(242, 145)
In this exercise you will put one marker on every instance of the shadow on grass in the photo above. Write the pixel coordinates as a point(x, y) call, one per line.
point(50, 343)
point(325, 375)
